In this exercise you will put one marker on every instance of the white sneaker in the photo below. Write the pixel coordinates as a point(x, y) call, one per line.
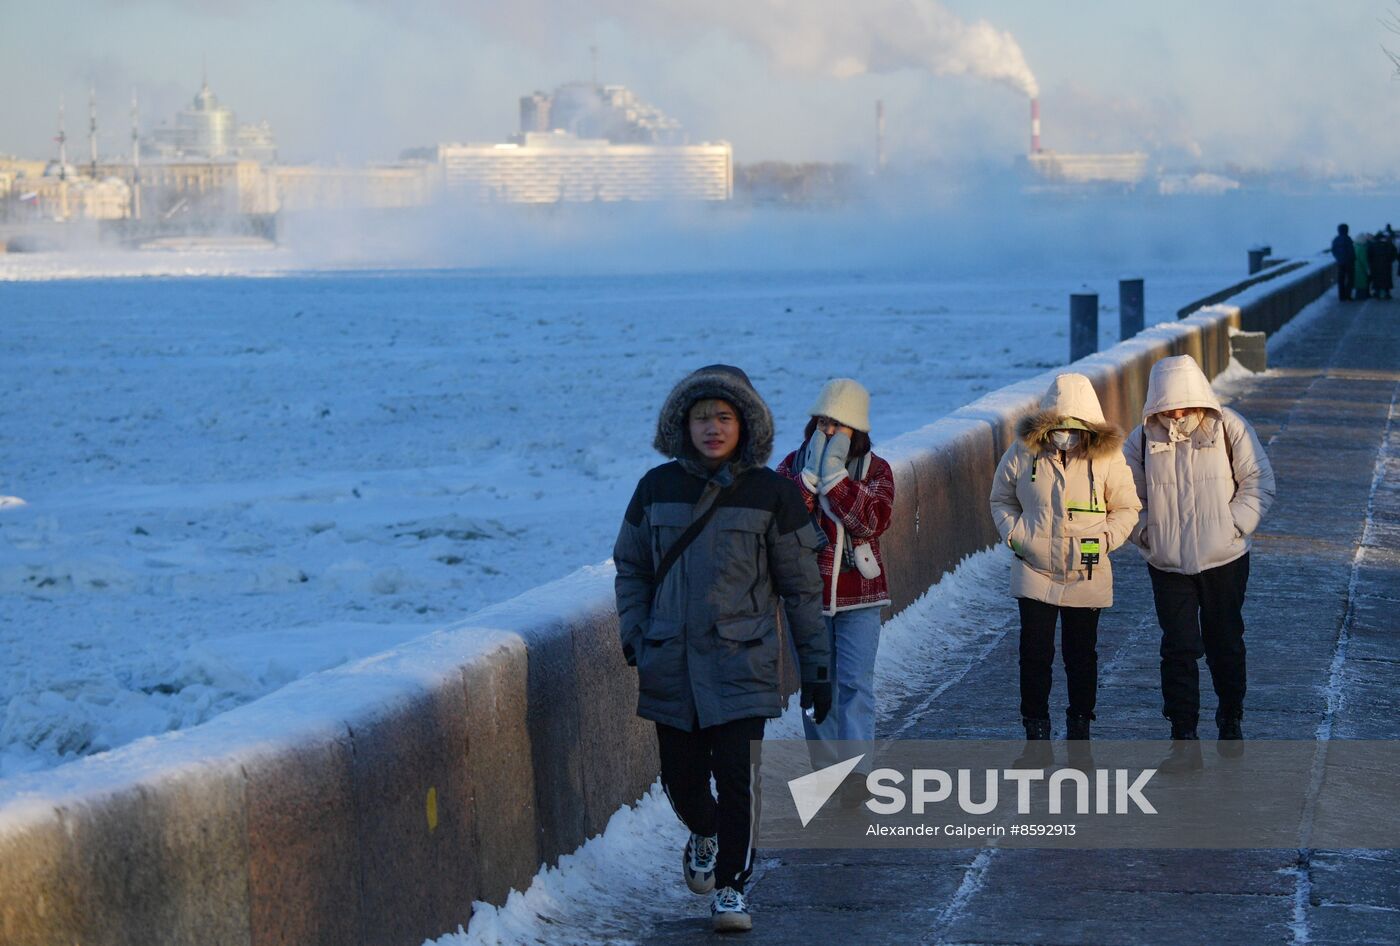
point(698, 863)
point(730, 912)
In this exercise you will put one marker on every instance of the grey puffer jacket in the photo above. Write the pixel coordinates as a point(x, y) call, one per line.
point(706, 642)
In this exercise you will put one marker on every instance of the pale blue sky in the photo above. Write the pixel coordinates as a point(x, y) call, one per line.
point(1279, 83)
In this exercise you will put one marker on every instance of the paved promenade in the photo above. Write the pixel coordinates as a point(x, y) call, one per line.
point(1323, 623)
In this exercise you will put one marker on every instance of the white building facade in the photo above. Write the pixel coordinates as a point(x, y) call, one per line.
point(559, 168)
point(210, 130)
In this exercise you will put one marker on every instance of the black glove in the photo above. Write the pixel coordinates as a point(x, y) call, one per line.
point(629, 655)
point(816, 696)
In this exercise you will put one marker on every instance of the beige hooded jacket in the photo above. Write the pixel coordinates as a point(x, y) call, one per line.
point(1044, 501)
point(1202, 497)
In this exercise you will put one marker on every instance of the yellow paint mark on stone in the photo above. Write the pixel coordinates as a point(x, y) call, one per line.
point(432, 810)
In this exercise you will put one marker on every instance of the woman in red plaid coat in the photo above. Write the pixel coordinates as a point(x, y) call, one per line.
point(850, 492)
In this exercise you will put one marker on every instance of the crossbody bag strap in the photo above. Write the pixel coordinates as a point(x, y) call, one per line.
point(690, 534)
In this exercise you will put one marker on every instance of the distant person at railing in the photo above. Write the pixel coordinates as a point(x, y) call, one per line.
point(1062, 499)
point(710, 544)
point(1205, 483)
point(1362, 267)
point(1344, 252)
point(850, 493)
point(1380, 257)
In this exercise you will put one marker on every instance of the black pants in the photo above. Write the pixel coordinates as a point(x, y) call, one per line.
point(1346, 276)
point(1201, 614)
point(687, 761)
point(1079, 640)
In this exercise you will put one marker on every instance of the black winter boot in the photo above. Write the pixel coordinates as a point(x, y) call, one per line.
point(1077, 733)
point(1231, 744)
point(1077, 727)
point(853, 791)
point(1038, 753)
point(1185, 754)
point(1184, 729)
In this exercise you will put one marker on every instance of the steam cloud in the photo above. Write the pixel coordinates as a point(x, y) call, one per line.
point(845, 39)
point(838, 38)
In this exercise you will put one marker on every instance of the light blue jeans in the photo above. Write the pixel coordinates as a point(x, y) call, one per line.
point(854, 637)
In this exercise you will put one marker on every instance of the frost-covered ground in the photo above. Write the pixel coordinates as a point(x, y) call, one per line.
point(223, 483)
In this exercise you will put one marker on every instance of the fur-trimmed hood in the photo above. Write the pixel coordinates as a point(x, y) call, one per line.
point(1100, 439)
point(727, 383)
point(1071, 396)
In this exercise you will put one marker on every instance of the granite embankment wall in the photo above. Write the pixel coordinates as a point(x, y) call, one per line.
point(372, 804)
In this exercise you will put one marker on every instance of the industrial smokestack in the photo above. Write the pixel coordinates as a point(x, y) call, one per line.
point(62, 140)
point(135, 159)
point(92, 129)
point(1035, 126)
point(879, 135)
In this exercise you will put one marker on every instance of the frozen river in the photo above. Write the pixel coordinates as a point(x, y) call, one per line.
point(220, 484)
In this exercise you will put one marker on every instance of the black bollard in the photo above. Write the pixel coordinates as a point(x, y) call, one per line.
point(1083, 324)
point(1257, 255)
point(1131, 308)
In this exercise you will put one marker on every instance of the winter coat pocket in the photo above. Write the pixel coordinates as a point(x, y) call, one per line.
point(1016, 538)
point(661, 670)
point(742, 566)
point(668, 522)
point(1036, 547)
point(1087, 525)
point(747, 654)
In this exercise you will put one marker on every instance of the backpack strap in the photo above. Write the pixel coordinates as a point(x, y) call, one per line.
point(1229, 453)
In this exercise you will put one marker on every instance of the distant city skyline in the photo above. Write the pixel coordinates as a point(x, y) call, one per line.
point(1278, 85)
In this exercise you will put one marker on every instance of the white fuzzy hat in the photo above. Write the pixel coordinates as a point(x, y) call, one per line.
point(844, 400)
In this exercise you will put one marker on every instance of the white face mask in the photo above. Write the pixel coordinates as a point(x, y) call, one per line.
point(1065, 439)
point(1182, 427)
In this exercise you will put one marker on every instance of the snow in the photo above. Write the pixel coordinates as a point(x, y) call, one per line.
point(620, 881)
point(1302, 898)
point(231, 482)
point(1229, 382)
point(1200, 183)
point(113, 264)
point(314, 709)
point(1299, 323)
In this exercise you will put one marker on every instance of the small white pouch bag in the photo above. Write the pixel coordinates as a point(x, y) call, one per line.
point(865, 561)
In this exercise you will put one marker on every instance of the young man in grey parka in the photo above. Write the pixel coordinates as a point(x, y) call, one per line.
point(703, 635)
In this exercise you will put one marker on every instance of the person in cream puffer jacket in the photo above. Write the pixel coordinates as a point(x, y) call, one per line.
point(1205, 483)
point(1060, 492)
